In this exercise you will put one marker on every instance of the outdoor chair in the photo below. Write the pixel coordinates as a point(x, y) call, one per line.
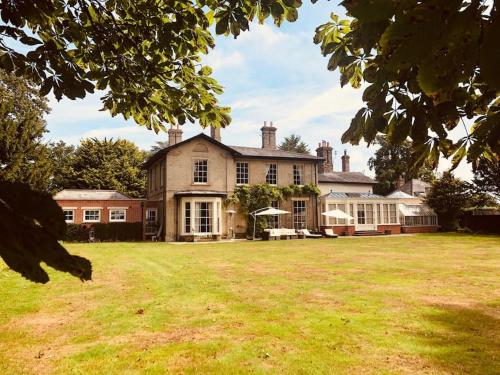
point(329, 233)
point(308, 234)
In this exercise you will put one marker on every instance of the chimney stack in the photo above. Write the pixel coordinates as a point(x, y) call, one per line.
point(174, 135)
point(324, 151)
point(215, 132)
point(268, 136)
point(345, 162)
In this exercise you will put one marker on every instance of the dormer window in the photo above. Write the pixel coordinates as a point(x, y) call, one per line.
point(241, 173)
point(200, 171)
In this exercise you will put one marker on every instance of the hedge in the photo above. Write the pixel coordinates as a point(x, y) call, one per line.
point(104, 232)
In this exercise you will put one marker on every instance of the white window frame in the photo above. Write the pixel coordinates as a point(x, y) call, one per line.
point(275, 173)
point(194, 171)
point(72, 214)
point(242, 173)
point(111, 209)
point(91, 209)
point(298, 172)
point(216, 216)
point(296, 215)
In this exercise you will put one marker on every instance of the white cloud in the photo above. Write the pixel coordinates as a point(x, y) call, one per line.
point(218, 60)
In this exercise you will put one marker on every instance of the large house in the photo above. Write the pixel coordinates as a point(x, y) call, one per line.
point(189, 181)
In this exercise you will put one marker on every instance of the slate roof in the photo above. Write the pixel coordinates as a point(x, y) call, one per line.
point(272, 154)
point(236, 151)
point(90, 194)
point(346, 177)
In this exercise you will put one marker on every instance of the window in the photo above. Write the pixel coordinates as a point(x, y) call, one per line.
point(393, 214)
point(386, 214)
point(333, 220)
point(299, 214)
point(241, 172)
point(162, 173)
point(203, 217)
point(351, 212)
point(298, 175)
point(117, 214)
point(91, 215)
point(379, 214)
point(151, 221)
point(274, 220)
point(272, 174)
point(369, 213)
point(361, 214)
point(200, 172)
point(69, 215)
point(187, 217)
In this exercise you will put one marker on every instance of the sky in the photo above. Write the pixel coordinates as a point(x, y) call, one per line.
point(269, 74)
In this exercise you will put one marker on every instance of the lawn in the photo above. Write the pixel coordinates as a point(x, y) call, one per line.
point(416, 304)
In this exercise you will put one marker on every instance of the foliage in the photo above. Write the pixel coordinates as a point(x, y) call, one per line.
point(76, 233)
point(392, 163)
point(105, 232)
point(62, 159)
point(31, 223)
point(428, 66)
point(448, 197)
point(23, 156)
point(158, 146)
point(487, 176)
point(118, 231)
point(147, 53)
point(251, 198)
point(294, 143)
point(102, 164)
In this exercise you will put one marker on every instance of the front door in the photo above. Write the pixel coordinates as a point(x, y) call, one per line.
point(365, 217)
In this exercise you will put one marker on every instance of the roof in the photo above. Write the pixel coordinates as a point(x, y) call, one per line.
point(90, 194)
point(337, 195)
point(237, 151)
point(416, 210)
point(400, 194)
point(255, 152)
point(192, 193)
point(415, 186)
point(346, 177)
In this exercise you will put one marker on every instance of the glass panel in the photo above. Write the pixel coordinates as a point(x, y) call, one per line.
point(299, 214)
point(341, 207)
point(203, 217)
point(91, 215)
point(361, 213)
point(298, 174)
point(393, 215)
point(351, 212)
point(272, 174)
point(117, 215)
point(187, 217)
point(69, 215)
point(369, 213)
point(200, 171)
point(242, 172)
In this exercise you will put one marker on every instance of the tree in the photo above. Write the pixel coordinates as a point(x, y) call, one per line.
point(487, 176)
point(294, 143)
point(23, 155)
point(109, 164)
point(392, 163)
point(62, 158)
point(448, 197)
point(158, 146)
point(428, 65)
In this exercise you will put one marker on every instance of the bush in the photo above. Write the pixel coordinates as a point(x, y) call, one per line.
point(77, 233)
point(118, 231)
point(104, 232)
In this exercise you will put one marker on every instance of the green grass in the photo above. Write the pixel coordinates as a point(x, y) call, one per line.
point(419, 304)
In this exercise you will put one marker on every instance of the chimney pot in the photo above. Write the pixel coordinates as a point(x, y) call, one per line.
point(174, 135)
point(268, 136)
point(345, 162)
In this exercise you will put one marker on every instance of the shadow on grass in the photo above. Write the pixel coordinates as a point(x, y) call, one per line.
point(462, 339)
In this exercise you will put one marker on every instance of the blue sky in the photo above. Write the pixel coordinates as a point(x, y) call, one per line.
point(269, 74)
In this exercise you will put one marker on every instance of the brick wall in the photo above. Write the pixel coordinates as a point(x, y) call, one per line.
point(394, 228)
point(132, 206)
point(340, 230)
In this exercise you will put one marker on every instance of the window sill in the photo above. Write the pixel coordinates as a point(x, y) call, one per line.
point(200, 183)
point(91, 221)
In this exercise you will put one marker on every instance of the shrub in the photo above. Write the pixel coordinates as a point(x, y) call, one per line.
point(77, 233)
point(104, 232)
